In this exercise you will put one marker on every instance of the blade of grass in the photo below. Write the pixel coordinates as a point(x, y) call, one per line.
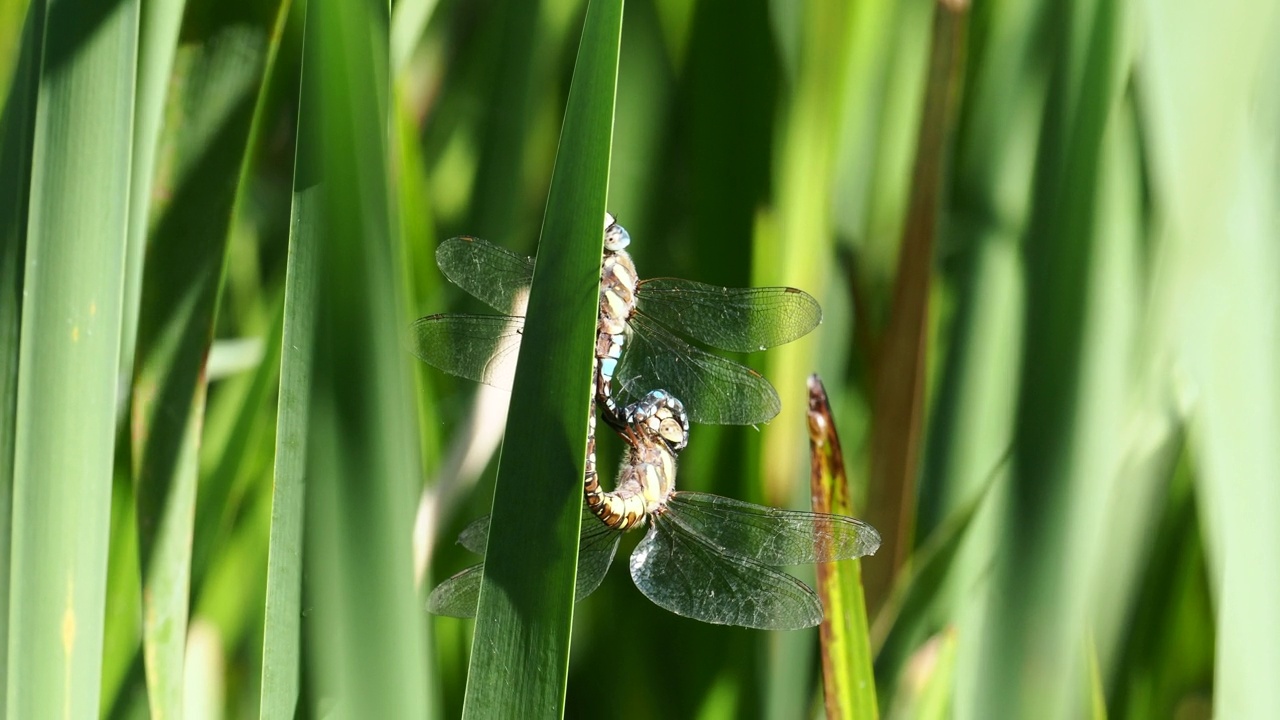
point(519, 658)
point(281, 656)
point(520, 72)
point(122, 638)
point(1215, 184)
point(805, 169)
point(1049, 538)
point(848, 683)
point(366, 640)
point(899, 384)
point(973, 414)
point(158, 24)
point(1075, 331)
point(230, 424)
point(223, 72)
point(227, 480)
point(69, 358)
point(417, 258)
point(17, 126)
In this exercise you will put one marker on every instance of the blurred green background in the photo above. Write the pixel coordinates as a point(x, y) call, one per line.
point(1044, 235)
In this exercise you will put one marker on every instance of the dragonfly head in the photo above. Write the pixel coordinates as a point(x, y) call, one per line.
point(662, 416)
point(615, 236)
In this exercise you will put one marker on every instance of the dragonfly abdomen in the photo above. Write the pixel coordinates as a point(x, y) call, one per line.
point(645, 481)
point(658, 429)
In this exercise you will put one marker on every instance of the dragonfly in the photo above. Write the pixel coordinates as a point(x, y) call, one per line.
point(654, 319)
point(703, 556)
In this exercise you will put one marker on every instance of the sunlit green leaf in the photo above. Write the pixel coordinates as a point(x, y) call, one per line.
point(68, 358)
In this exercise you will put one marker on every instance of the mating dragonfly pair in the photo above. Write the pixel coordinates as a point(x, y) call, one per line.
point(705, 557)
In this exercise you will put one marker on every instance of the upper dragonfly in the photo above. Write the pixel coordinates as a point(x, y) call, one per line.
point(706, 557)
point(647, 316)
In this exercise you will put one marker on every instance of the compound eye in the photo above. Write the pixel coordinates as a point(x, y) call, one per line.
point(616, 238)
point(671, 431)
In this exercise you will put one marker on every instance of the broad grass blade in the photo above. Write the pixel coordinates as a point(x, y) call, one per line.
point(366, 642)
point(68, 357)
point(224, 72)
point(519, 658)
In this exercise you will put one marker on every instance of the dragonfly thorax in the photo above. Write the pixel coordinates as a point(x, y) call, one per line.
point(618, 283)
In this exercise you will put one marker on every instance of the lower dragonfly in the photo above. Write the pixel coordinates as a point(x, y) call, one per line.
point(705, 557)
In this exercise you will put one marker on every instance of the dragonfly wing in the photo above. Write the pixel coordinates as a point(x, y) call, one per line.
point(714, 390)
point(735, 319)
point(489, 273)
point(477, 347)
point(459, 596)
point(685, 574)
point(770, 535)
point(475, 536)
point(596, 549)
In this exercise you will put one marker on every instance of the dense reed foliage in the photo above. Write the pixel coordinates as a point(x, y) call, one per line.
point(1044, 236)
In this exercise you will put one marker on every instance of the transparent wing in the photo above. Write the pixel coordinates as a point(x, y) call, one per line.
point(685, 574)
point(477, 347)
point(596, 547)
point(475, 535)
point(714, 390)
point(735, 319)
point(770, 535)
point(486, 271)
point(459, 596)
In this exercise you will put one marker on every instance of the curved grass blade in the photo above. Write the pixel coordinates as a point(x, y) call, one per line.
point(69, 355)
point(157, 43)
point(224, 75)
point(519, 659)
point(848, 679)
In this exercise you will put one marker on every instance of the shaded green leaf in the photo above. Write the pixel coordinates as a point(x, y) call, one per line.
point(519, 658)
